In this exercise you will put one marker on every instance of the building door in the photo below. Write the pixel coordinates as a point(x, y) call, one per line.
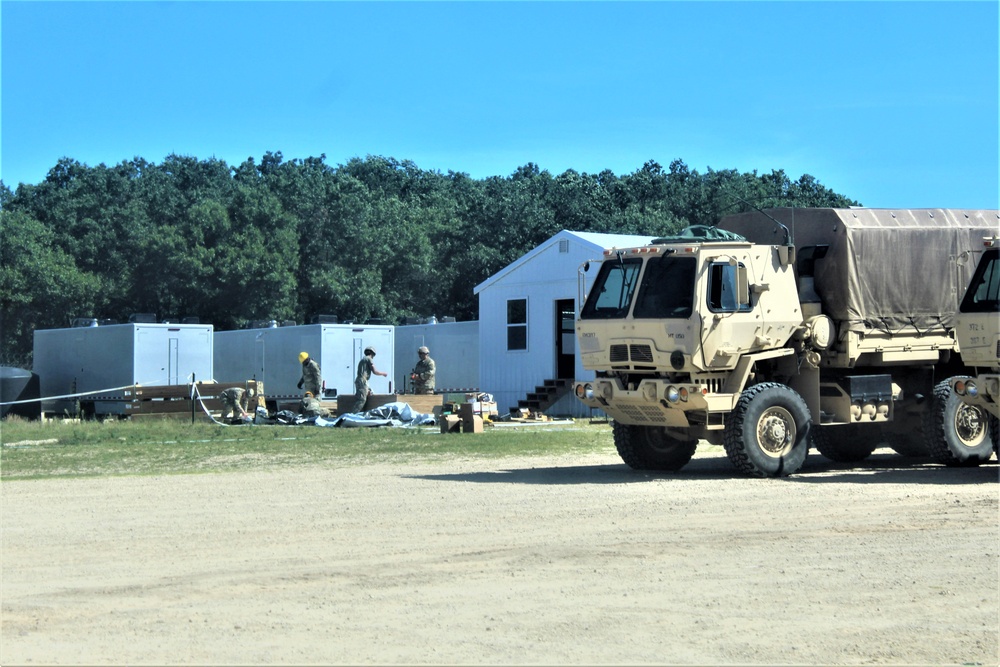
point(565, 339)
point(173, 360)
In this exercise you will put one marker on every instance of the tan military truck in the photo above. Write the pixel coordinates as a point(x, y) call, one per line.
point(973, 403)
point(777, 330)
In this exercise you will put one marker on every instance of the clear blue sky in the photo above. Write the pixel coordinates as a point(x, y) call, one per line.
point(892, 103)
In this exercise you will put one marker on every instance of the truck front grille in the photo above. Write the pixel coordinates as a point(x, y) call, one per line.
point(642, 353)
point(641, 414)
point(637, 353)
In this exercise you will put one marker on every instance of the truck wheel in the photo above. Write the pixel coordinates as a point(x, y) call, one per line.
point(767, 432)
point(651, 448)
point(846, 443)
point(957, 434)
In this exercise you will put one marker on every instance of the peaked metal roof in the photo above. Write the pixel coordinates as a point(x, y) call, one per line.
point(597, 242)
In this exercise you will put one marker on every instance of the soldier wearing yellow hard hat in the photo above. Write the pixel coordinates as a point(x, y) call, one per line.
point(312, 379)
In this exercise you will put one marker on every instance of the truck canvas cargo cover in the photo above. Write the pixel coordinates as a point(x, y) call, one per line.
point(891, 270)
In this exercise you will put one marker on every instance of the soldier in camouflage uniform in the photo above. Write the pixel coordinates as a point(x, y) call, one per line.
point(423, 373)
point(365, 369)
point(234, 402)
point(310, 406)
point(312, 379)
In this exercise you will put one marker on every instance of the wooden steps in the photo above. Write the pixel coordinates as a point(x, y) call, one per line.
point(544, 396)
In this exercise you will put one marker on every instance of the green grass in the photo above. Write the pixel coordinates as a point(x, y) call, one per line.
point(36, 450)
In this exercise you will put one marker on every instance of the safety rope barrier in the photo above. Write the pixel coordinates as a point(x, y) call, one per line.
point(196, 395)
point(56, 398)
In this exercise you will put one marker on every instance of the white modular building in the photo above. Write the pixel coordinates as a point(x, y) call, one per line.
point(454, 347)
point(527, 315)
point(271, 355)
point(106, 358)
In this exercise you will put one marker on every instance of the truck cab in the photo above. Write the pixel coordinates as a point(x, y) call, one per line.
point(674, 330)
point(978, 331)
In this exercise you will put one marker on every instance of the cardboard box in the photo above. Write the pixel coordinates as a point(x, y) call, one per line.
point(474, 425)
point(450, 424)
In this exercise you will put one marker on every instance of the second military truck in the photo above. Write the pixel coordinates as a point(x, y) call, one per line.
point(977, 328)
point(782, 329)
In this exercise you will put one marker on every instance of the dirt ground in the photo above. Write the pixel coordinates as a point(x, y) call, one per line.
point(542, 560)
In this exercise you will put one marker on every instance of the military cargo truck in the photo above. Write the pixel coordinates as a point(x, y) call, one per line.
point(974, 402)
point(777, 330)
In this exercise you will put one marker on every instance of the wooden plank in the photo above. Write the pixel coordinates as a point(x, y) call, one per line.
point(205, 389)
point(421, 403)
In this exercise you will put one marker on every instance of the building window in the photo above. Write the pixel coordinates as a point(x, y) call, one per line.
point(563, 245)
point(517, 324)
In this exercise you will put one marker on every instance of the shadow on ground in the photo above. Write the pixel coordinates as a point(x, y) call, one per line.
point(879, 468)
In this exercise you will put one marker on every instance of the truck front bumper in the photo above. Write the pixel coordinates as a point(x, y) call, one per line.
point(982, 391)
point(656, 402)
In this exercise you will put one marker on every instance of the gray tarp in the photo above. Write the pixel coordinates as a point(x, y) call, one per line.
point(886, 269)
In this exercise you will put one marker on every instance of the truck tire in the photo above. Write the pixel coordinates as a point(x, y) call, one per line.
point(995, 431)
point(846, 443)
point(651, 447)
point(957, 434)
point(767, 434)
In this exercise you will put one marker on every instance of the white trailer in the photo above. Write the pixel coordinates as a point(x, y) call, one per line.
point(103, 359)
point(271, 355)
point(454, 347)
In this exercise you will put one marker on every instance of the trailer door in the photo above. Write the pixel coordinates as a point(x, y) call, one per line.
point(173, 356)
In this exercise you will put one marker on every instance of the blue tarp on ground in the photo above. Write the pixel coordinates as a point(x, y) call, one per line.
point(390, 414)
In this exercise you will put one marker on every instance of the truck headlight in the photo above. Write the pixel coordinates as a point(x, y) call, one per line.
point(672, 394)
point(584, 391)
point(971, 389)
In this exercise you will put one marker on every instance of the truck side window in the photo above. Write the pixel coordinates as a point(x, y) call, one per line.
point(722, 289)
point(984, 290)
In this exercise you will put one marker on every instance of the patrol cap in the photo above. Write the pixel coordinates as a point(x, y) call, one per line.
point(303, 356)
point(370, 349)
point(423, 350)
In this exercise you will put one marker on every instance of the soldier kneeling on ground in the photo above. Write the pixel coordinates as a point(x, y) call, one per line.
point(310, 406)
point(234, 402)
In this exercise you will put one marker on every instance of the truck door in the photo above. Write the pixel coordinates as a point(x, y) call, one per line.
point(730, 322)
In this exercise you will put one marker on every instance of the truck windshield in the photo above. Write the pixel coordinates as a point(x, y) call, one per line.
point(667, 289)
point(984, 290)
point(611, 295)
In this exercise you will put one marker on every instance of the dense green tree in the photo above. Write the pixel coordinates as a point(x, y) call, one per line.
point(374, 238)
point(40, 285)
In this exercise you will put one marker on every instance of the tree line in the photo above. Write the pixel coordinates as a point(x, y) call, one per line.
point(375, 238)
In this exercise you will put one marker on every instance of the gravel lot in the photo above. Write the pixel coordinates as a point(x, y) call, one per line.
point(541, 560)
